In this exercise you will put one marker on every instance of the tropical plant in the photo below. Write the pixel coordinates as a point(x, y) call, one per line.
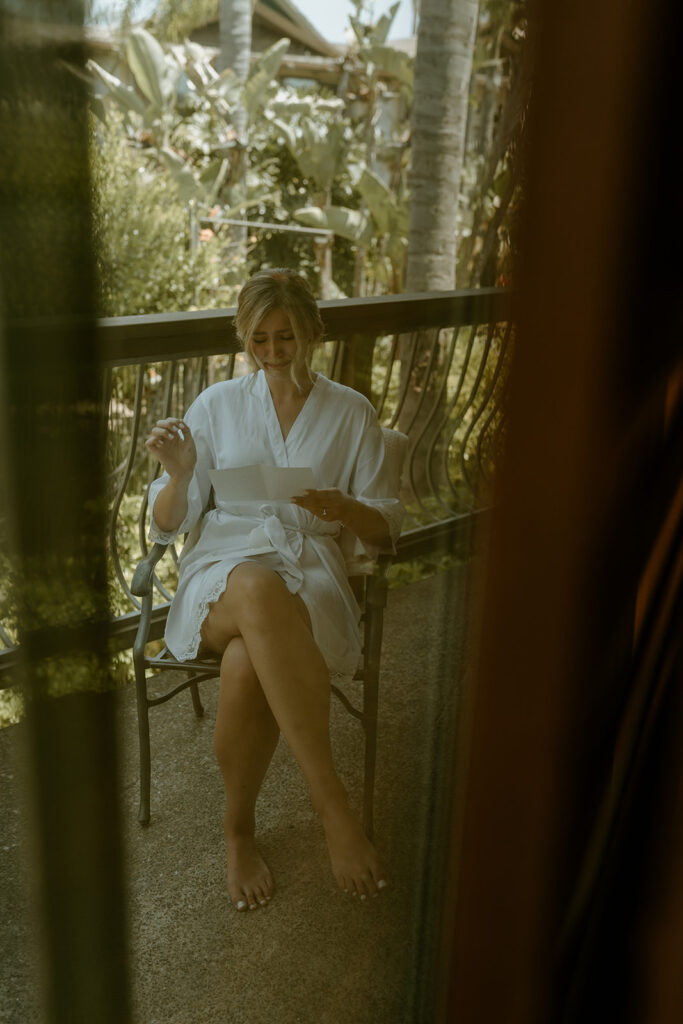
point(491, 188)
point(145, 260)
point(180, 112)
point(377, 222)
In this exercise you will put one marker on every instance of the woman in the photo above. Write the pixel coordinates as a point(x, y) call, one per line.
point(265, 586)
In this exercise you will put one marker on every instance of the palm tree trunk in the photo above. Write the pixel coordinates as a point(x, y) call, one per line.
point(235, 48)
point(443, 68)
point(235, 53)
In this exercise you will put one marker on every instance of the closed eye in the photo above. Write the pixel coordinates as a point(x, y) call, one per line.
point(257, 340)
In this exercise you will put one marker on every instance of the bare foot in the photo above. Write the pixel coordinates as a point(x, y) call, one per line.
point(250, 883)
point(355, 861)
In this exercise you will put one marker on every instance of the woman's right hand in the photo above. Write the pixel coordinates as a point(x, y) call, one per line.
point(172, 442)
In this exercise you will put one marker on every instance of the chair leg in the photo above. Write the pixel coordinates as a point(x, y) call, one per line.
point(196, 700)
point(370, 702)
point(145, 753)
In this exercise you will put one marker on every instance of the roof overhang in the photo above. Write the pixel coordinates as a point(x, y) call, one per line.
point(284, 16)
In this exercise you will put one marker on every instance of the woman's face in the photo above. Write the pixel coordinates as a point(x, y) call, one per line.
point(274, 346)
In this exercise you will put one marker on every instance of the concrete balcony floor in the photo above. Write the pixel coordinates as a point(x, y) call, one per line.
point(313, 956)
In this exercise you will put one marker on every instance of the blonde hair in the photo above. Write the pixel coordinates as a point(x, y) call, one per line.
point(279, 288)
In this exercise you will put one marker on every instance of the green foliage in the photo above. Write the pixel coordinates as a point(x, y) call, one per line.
point(145, 261)
point(491, 186)
point(180, 117)
point(394, 62)
point(318, 141)
point(155, 76)
point(11, 706)
point(174, 20)
point(416, 569)
point(349, 224)
point(260, 84)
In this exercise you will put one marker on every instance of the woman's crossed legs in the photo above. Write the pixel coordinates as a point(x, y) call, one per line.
point(274, 678)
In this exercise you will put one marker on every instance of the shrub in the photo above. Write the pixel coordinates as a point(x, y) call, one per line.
point(145, 262)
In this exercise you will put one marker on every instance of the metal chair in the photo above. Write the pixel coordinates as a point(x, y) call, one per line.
point(370, 588)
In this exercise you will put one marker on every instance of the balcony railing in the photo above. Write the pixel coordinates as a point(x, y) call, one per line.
point(433, 365)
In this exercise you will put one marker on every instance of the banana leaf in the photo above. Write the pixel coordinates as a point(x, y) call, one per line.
point(391, 218)
point(351, 224)
point(378, 199)
point(261, 76)
point(318, 156)
point(186, 183)
point(213, 178)
point(126, 97)
point(153, 73)
point(381, 29)
point(396, 63)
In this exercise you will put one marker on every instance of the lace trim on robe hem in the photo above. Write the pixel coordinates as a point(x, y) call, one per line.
point(189, 652)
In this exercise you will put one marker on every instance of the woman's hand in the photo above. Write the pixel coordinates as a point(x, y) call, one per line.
point(172, 442)
point(331, 505)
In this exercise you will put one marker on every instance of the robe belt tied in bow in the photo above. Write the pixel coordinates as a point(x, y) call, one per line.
point(286, 538)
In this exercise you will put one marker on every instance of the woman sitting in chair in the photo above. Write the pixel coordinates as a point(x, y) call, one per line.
point(265, 587)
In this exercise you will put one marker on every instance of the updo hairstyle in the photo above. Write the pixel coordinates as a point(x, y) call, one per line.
point(279, 288)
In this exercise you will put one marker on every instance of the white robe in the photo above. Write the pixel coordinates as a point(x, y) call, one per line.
point(337, 434)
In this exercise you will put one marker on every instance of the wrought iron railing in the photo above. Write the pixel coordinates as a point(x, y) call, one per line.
point(433, 365)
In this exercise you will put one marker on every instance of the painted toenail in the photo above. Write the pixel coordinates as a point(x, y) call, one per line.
point(363, 896)
point(241, 905)
point(381, 884)
point(252, 906)
point(263, 902)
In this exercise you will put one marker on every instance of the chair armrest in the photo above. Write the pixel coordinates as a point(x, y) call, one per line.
point(377, 582)
point(143, 577)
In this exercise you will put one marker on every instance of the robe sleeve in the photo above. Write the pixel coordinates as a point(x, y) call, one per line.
point(375, 481)
point(199, 490)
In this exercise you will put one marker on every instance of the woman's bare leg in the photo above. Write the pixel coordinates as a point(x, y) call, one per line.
point(245, 738)
point(257, 606)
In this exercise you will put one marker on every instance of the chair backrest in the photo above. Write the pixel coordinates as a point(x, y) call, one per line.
point(396, 445)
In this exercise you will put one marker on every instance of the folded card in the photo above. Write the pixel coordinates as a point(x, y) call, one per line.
point(261, 483)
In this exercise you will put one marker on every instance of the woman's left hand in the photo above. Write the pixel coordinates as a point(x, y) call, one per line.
point(331, 505)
